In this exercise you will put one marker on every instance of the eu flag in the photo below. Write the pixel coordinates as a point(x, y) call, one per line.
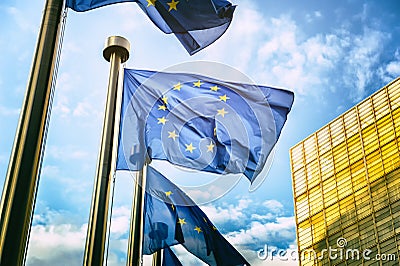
point(196, 23)
point(171, 217)
point(169, 258)
point(199, 122)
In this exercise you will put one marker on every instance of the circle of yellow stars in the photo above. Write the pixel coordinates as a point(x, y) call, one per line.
point(189, 147)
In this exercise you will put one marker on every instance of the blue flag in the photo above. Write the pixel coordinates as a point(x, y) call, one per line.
point(199, 122)
point(169, 258)
point(171, 217)
point(196, 23)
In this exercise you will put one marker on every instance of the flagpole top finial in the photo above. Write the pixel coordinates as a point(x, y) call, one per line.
point(118, 45)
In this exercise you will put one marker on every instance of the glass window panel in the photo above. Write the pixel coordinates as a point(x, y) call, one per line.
point(384, 223)
point(313, 177)
point(310, 149)
point(344, 186)
point(340, 157)
point(347, 211)
point(358, 175)
point(396, 118)
point(388, 246)
point(380, 102)
point(370, 139)
point(394, 95)
point(350, 122)
point(296, 154)
point(390, 156)
point(337, 131)
point(367, 233)
point(305, 237)
point(379, 194)
point(365, 113)
point(355, 152)
point(299, 179)
point(362, 201)
point(326, 164)
point(323, 139)
point(330, 192)
point(315, 199)
point(393, 180)
point(332, 218)
point(302, 207)
point(374, 166)
point(385, 130)
point(318, 227)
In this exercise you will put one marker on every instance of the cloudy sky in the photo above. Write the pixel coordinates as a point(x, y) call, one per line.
point(331, 54)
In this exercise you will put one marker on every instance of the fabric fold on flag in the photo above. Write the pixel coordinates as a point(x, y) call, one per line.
point(171, 217)
point(199, 122)
point(169, 258)
point(196, 23)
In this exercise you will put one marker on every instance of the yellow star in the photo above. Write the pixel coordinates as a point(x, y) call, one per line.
point(190, 148)
point(210, 148)
point(168, 193)
point(177, 87)
point(215, 131)
point(181, 221)
point(172, 135)
point(151, 2)
point(172, 5)
point(165, 99)
point(198, 229)
point(162, 120)
point(173, 207)
point(214, 228)
point(222, 112)
point(224, 98)
point(162, 107)
point(198, 83)
point(214, 88)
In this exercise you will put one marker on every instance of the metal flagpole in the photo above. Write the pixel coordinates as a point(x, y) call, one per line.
point(21, 182)
point(157, 258)
point(134, 256)
point(116, 51)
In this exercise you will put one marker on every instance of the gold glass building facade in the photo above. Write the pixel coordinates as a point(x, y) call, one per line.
point(346, 185)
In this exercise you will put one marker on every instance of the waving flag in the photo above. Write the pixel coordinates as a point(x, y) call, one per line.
point(199, 122)
point(196, 23)
point(171, 217)
point(169, 258)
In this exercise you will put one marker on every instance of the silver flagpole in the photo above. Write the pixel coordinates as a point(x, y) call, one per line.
point(116, 51)
point(20, 186)
point(134, 256)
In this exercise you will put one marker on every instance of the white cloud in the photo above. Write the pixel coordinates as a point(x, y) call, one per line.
point(120, 221)
point(392, 69)
point(362, 60)
point(230, 213)
point(274, 206)
point(277, 51)
point(61, 244)
point(282, 228)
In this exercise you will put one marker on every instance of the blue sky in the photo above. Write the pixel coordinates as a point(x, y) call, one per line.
point(331, 54)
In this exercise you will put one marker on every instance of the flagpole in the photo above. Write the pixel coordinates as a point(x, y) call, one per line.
point(134, 255)
point(157, 258)
point(116, 51)
point(20, 186)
